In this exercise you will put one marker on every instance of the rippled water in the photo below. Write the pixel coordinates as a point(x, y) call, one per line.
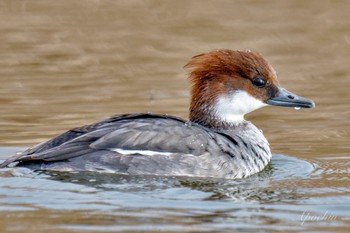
point(68, 63)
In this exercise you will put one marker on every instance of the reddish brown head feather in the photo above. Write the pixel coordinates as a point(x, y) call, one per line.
point(222, 71)
point(234, 63)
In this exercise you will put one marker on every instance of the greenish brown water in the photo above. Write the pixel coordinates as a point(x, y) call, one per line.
point(68, 63)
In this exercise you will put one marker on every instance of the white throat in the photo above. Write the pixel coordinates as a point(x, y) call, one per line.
point(232, 108)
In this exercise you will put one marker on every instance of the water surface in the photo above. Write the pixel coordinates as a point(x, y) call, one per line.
point(69, 63)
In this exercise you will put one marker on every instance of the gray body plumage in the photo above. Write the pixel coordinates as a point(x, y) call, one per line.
point(181, 148)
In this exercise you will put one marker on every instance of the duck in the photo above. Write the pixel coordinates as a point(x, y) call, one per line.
point(216, 141)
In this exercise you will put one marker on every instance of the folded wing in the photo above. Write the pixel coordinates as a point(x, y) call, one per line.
point(132, 132)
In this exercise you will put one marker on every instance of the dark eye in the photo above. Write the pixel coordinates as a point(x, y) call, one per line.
point(259, 81)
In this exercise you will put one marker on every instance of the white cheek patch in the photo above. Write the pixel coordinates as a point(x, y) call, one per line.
point(232, 108)
point(140, 152)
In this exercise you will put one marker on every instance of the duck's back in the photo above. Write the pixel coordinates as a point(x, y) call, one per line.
point(152, 144)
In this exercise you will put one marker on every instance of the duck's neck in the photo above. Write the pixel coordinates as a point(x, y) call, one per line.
point(211, 118)
point(220, 113)
point(223, 111)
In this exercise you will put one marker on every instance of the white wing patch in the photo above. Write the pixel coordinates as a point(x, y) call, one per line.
point(140, 152)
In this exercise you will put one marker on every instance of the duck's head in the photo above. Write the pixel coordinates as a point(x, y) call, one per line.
point(227, 84)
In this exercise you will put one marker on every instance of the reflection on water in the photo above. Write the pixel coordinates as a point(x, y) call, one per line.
point(68, 63)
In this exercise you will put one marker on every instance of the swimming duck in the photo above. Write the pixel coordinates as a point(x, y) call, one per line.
point(216, 141)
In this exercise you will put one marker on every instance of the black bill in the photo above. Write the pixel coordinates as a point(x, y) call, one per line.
point(289, 99)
